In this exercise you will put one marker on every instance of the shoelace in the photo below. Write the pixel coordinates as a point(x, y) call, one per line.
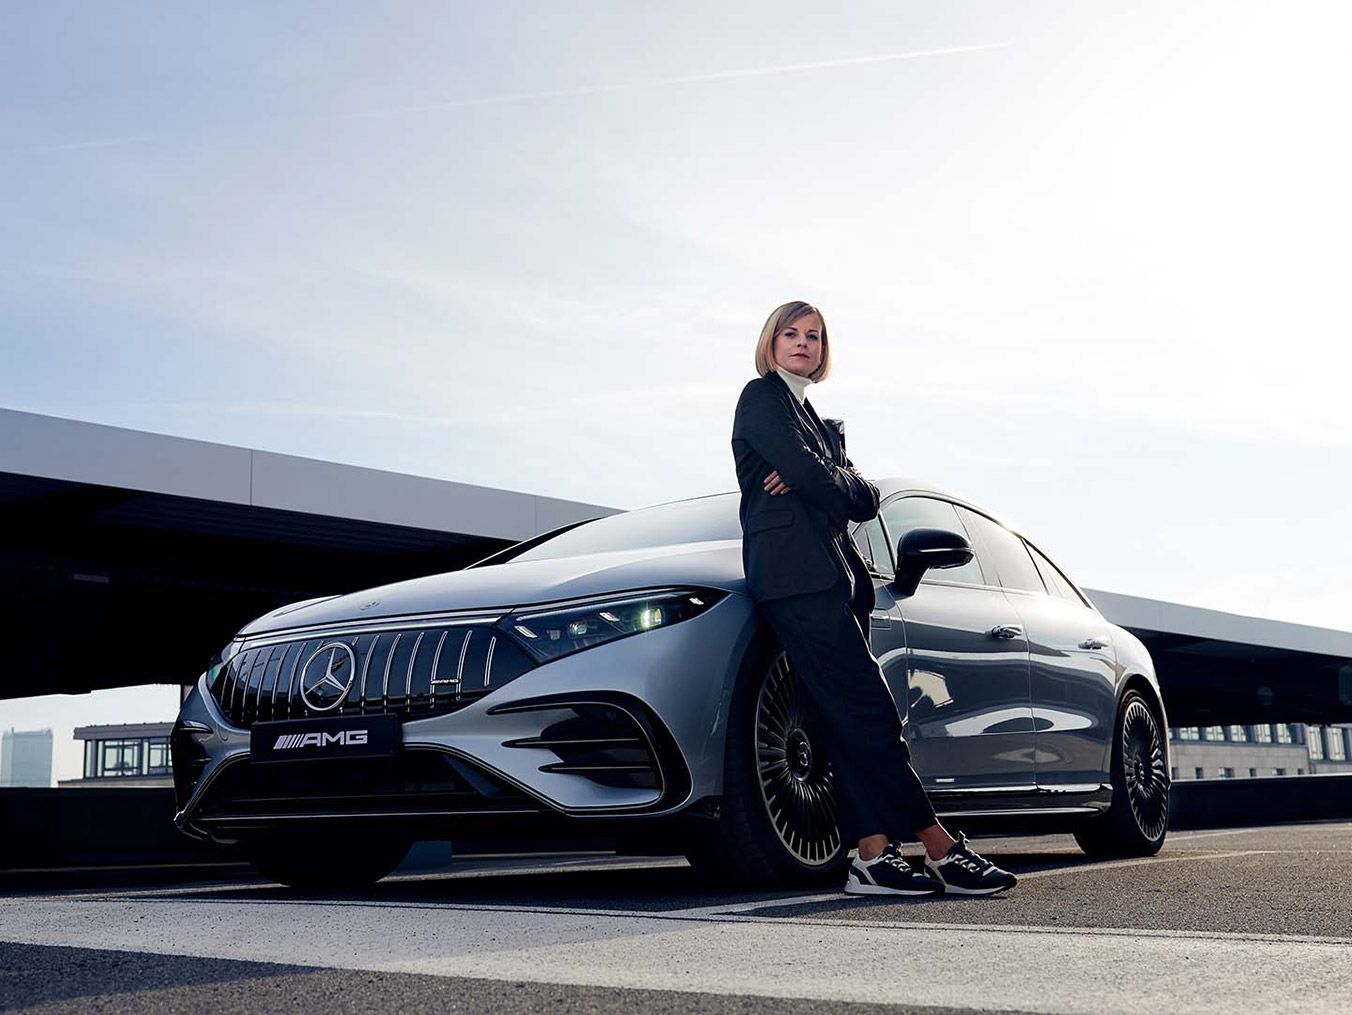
point(897, 861)
point(892, 860)
point(973, 864)
point(969, 859)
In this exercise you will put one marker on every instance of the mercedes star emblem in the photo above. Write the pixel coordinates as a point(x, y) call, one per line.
point(327, 675)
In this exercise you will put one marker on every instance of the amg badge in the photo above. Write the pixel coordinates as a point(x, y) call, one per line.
point(344, 737)
point(313, 741)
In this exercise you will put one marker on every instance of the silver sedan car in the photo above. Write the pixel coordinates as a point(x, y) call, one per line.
point(613, 681)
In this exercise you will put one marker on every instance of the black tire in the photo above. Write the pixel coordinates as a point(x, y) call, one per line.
point(1138, 818)
point(777, 824)
point(325, 861)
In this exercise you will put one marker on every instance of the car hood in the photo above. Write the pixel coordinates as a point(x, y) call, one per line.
point(520, 583)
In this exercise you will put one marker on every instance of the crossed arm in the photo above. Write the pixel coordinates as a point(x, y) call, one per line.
point(768, 425)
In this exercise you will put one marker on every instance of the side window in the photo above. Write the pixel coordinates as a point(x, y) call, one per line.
point(1057, 583)
point(905, 513)
point(872, 544)
point(1005, 551)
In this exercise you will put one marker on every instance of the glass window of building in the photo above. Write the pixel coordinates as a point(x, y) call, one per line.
point(1279, 771)
point(1214, 733)
point(157, 756)
point(1227, 773)
point(1314, 739)
point(999, 547)
point(1337, 747)
point(906, 513)
point(1283, 733)
point(1189, 733)
point(1238, 734)
point(1262, 734)
point(1253, 773)
point(1197, 773)
point(118, 758)
point(1173, 773)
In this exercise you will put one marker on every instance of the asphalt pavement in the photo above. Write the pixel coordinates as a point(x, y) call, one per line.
point(1222, 920)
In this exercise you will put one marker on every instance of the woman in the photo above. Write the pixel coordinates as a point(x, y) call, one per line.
point(799, 494)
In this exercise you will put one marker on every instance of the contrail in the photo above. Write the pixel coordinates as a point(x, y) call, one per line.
point(691, 79)
point(107, 142)
point(567, 93)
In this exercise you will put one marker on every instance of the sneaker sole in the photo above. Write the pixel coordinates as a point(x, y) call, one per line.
point(858, 889)
point(955, 890)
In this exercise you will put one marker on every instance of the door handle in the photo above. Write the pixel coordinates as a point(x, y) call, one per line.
point(1006, 631)
point(1095, 643)
point(880, 618)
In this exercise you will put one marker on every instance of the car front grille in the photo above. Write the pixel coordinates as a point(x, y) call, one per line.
point(413, 672)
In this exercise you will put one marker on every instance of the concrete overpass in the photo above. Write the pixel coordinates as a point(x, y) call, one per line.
point(126, 556)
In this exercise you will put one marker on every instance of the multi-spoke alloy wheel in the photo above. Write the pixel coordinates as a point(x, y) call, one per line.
point(1143, 769)
point(1138, 818)
point(795, 776)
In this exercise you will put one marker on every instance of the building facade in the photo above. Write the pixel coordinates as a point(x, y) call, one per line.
point(26, 758)
point(130, 754)
point(1259, 751)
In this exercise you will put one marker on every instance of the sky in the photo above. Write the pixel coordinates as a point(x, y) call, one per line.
point(1083, 264)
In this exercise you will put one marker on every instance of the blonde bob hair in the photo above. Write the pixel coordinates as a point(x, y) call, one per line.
point(777, 322)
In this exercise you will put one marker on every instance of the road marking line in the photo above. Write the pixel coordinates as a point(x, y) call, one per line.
point(1138, 862)
point(694, 916)
point(732, 909)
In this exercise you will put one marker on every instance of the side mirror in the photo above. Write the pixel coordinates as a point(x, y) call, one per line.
point(921, 549)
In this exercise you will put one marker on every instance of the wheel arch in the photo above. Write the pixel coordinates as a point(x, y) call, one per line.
point(1149, 690)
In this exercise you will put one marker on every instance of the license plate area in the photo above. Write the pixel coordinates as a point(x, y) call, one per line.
point(333, 739)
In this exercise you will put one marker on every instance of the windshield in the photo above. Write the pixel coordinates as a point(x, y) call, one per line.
point(684, 521)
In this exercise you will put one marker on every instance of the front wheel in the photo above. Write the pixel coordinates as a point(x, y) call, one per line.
point(1138, 817)
point(778, 820)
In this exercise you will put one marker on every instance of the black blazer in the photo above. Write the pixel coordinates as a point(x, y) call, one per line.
point(796, 542)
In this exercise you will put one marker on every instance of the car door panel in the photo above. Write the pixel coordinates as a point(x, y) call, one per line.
point(1074, 676)
point(970, 725)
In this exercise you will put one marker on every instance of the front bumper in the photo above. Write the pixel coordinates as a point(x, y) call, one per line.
point(506, 754)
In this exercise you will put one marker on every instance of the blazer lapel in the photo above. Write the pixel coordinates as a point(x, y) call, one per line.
point(832, 435)
point(805, 422)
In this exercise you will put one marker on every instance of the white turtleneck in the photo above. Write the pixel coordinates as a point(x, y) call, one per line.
point(798, 385)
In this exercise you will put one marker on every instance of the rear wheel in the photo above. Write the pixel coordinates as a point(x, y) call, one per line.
point(1138, 817)
point(778, 820)
point(327, 860)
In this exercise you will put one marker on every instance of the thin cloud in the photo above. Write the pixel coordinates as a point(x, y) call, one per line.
point(583, 91)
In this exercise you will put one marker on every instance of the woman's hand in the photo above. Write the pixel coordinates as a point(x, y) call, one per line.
point(775, 485)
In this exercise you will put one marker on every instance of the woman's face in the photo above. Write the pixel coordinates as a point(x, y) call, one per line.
point(798, 345)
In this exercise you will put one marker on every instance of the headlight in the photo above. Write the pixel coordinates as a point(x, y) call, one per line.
point(550, 633)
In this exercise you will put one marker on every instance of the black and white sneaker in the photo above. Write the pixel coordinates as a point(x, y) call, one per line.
point(965, 872)
point(888, 873)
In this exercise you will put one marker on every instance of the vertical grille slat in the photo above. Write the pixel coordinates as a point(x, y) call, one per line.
point(288, 660)
point(288, 702)
point(416, 673)
point(267, 687)
point(385, 680)
point(413, 658)
point(374, 667)
point(361, 652)
point(250, 689)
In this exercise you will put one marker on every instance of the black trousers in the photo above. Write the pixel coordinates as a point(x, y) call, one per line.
point(825, 635)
